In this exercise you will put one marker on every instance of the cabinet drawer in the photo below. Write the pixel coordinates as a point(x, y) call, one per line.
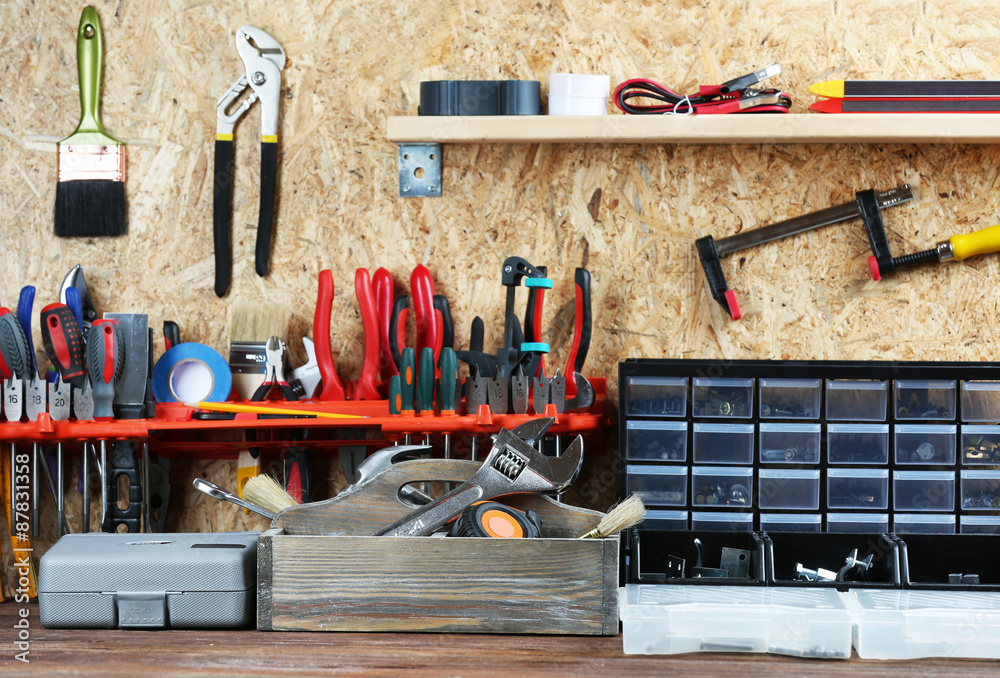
point(789, 443)
point(789, 398)
point(925, 444)
point(723, 443)
point(658, 485)
point(656, 396)
point(722, 486)
point(857, 443)
point(857, 488)
point(923, 491)
point(788, 489)
point(862, 523)
point(920, 399)
point(722, 398)
point(916, 523)
point(656, 440)
point(855, 400)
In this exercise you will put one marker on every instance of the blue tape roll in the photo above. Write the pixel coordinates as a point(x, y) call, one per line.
point(538, 282)
point(191, 372)
point(537, 346)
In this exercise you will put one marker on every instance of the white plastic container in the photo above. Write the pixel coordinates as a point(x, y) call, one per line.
point(574, 94)
point(915, 624)
point(801, 622)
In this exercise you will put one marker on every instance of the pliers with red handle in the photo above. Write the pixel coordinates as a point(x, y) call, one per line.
point(330, 386)
point(435, 329)
point(428, 325)
point(366, 387)
point(382, 288)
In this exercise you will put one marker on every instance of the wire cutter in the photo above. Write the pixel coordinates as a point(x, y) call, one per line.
point(263, 59)
point(274, 372)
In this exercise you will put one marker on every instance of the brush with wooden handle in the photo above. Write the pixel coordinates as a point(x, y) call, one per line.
point(90, 195)
point(253, 323)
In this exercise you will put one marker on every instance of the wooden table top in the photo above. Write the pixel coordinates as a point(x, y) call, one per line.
point(250, 652)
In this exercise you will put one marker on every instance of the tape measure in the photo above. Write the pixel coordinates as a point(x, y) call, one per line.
point(491, 519)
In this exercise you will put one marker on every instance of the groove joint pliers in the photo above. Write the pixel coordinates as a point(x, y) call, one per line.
point(263, 60)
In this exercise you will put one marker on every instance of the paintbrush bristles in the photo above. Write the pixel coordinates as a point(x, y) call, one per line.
point(266, 492)
point(621, 517)
point(255, 321)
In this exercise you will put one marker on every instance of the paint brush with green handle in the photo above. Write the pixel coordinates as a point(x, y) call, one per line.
point(90, 195)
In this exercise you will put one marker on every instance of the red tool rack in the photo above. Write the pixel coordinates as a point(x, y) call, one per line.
point(174, 433)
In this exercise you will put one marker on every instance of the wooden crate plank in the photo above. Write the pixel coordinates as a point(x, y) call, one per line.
point(444, 585)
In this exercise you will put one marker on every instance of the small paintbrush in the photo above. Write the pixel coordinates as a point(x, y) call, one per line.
point(623, 516)
point(90, 195)
point(252, 324)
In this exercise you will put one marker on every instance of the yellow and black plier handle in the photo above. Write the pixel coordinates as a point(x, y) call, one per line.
point(263, 60)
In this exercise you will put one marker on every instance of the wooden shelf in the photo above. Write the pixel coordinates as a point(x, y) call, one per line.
point(800, 128)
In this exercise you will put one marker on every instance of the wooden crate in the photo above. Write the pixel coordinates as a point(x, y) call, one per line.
point(437, 584)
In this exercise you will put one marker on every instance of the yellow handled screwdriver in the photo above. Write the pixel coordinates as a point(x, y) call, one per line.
point(955, 248)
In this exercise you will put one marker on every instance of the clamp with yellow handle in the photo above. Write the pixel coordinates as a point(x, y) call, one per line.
point(955, 248)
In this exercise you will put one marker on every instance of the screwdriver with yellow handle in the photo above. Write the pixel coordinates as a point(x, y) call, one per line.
point(955, 248)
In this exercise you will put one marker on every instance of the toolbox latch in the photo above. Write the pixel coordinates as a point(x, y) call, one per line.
point(142, 609)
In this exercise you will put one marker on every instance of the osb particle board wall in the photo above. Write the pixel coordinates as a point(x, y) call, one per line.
point(629, 213)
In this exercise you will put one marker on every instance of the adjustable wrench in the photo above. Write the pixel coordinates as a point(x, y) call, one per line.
point(513, 466)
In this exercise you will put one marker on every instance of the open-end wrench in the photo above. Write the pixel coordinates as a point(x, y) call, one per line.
point(513, 466)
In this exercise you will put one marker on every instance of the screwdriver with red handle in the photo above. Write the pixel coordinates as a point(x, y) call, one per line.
point(105, 360)
point(64, 343)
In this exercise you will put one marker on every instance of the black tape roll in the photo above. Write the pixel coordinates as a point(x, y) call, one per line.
point(480, 97)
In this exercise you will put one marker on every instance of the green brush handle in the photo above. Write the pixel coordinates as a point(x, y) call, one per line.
point(89, 57)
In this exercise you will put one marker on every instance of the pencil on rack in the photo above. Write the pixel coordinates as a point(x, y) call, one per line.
point(90, 195)
point(255, 409)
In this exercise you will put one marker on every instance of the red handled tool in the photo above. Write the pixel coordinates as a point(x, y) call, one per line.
point(105, 361)
point(366, 387)
point(382, 288)
point(428, 329)
point(583, 325)
point(330, 387)
point(64, 343)
point(171, 334)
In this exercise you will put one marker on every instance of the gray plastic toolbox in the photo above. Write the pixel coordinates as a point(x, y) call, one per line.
point(97, 580)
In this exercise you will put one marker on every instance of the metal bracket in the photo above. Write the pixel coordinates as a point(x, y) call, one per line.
point(419, 170)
